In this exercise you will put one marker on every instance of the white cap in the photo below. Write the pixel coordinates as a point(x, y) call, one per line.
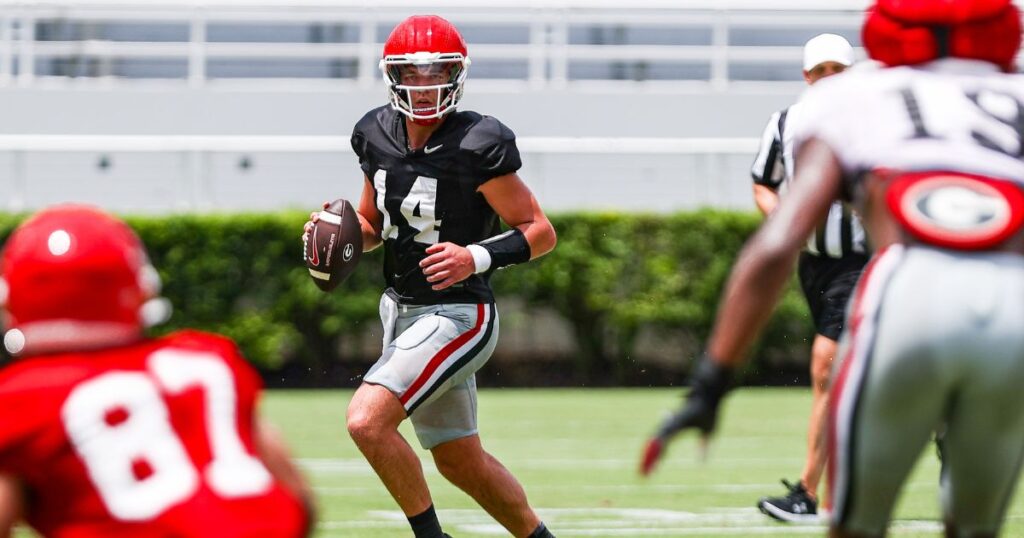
point(827, 48)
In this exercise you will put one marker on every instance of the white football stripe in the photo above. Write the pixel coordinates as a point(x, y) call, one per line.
point(320, 274)
point(330, 218)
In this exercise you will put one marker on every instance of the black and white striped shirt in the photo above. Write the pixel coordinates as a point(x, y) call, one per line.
point(842, 233)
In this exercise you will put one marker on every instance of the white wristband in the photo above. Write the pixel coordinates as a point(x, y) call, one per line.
point(481, 258)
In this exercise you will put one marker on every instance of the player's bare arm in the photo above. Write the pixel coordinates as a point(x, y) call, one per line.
point(766, 262)
point(751, 294)
point(511, 199)
point(12, 504)
point(274, 453)
point(765, 198)
point(370, 218)
point(516, 205)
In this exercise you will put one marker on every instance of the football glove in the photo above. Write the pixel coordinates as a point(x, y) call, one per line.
point(711, 380)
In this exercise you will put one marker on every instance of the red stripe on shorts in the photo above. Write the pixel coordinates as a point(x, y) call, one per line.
point(835, 394)
point(440, 357)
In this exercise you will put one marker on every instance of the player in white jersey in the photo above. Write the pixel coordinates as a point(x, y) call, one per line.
point(930, 152)
point(828, 269)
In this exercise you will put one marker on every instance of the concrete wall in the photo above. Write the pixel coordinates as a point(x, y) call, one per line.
point(161, 182)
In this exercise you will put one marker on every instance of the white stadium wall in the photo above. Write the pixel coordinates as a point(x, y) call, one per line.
point(161, 181)
point(157, 106)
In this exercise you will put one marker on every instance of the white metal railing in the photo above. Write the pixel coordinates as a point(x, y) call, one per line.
point(322, 144)
point(195, 177)
point(548, 53)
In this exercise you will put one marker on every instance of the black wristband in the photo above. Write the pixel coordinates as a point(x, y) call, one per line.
point(507, 249)
point(710, 379)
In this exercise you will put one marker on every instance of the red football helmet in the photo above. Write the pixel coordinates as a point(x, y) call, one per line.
point(75, 278)
point(425, 53)
point(909, 32)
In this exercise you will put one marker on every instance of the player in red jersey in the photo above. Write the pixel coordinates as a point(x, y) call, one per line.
point(107, 433)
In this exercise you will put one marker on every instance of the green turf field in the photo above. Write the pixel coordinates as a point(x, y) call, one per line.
point(576, 451)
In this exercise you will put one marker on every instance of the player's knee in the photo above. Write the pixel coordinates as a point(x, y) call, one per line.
point(821, 373)
point(822, 356)
point(362, 426)
point(372, 413)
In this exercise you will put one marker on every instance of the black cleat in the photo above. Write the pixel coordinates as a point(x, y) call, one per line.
point(796, 507)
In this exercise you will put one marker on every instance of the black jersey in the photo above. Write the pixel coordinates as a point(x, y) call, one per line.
point(429, 195)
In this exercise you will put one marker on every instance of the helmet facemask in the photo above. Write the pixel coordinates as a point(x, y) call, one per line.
point(444, 74)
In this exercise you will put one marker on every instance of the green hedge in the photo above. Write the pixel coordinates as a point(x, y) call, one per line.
point(611, 276)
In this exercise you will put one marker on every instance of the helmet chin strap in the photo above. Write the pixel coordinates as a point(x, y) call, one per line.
point(425, 121)
point(941, 36)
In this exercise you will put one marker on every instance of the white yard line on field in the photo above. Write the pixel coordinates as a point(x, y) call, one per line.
point(618, 522)
point(497, 530)
point(358, 466)
point(618, 488)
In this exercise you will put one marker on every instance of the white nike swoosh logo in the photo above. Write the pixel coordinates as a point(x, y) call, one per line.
point(433, 149)
point(316, 254)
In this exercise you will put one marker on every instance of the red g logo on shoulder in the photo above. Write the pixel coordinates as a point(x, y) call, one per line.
point(954, 210)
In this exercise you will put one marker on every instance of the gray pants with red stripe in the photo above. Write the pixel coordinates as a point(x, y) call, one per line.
point(431, 354)
point(935, 342)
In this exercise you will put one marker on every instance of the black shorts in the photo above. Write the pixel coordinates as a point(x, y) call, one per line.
point(828, 284)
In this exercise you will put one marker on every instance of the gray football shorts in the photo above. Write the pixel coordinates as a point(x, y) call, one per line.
point(430, 356)
point(934, 343)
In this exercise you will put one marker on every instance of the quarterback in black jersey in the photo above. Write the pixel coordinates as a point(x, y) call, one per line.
point(429, 194)
point(437, 181)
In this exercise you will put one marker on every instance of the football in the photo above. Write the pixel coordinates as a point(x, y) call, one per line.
point(334, 245)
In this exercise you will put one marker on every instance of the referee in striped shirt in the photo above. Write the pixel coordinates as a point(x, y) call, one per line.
point(828, 269)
